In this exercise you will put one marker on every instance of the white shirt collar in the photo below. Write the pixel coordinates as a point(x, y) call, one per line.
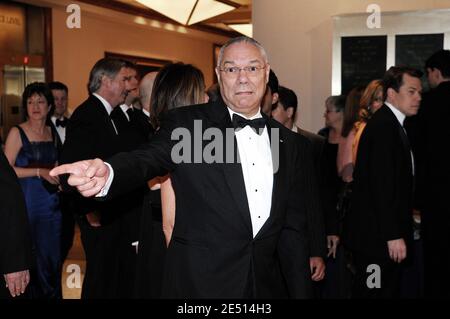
point(256, 116)
point(399, 115)
point(105, 103)
point(125, 107)
point(146, 112)
point(54, 118)
point(294, 128)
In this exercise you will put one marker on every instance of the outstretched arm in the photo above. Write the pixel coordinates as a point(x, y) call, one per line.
point(89, 176)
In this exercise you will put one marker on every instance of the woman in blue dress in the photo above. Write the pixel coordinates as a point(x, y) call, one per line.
point(31, 149)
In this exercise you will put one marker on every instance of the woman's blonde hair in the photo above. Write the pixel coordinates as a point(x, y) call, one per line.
point(369, 96)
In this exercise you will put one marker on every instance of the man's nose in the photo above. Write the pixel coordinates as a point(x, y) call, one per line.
point(242, 76)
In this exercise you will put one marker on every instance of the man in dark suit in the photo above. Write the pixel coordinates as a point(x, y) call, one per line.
point(58, 118)
point(378, 227)
point(92, 133)
point(15, 242)
point(240, 229)
point(152, 244)
point(284, 112)
point(134, 130)
point(133, 125)
point(58, 122)
point(431, 134)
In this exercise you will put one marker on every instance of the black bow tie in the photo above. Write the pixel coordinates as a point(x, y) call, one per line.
point(256, 124)
point(61, 123)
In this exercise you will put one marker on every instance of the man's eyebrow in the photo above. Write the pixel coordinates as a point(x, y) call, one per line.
point(251, 62)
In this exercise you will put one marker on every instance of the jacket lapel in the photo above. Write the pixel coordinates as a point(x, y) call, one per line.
point(100, 108)
point(404, 138)
point(234, 178)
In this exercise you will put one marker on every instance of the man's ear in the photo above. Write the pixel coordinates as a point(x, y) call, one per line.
point(439, 75)
point(290, 112)
point(216, 69)
point(275, 98)
point(105, 81)
point(390, 93)
point(267, 72)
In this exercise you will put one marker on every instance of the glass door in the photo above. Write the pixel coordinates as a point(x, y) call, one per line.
point(15, 79)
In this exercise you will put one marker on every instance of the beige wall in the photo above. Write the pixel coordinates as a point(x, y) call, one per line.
point(298, 35)
point(76, 50)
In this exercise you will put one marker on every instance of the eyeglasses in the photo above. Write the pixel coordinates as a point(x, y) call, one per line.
point(250, 70)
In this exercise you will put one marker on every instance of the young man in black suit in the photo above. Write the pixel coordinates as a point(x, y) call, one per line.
point(91, 132)
point(58, 122)
point(378, 227)
point(15, 242)
point(134, 130)
point(431, 135)
point(284, 111)
point(240, 229)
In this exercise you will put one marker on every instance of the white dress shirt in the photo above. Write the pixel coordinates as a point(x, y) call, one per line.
point(108, 108)
point(59, 129)
point(401, 119)
point(125, 108)
point(257, 168)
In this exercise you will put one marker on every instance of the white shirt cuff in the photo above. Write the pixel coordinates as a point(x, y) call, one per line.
point(104, 191)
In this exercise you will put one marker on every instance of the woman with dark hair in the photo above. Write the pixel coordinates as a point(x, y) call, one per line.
point(336, 284)
point(31, 150)
point(175, 85)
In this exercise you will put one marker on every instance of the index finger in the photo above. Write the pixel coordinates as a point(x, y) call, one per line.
point(63, 169)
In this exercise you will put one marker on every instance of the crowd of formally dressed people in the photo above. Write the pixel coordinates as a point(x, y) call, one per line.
point(355, 211)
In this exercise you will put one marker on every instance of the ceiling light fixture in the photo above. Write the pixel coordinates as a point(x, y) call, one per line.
point(243, 28)
point(188, 12)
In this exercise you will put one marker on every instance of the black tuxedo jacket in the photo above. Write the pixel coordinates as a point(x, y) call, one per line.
point(134, 132)
point(59, 143)
point(430, 135)
point(212, 253)
point(381, 202)
point(109, 254)
point(15, 241)
point(316, 222)
point(91, 134)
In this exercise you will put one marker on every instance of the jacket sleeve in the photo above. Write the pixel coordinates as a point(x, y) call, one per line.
point(294, 244)
point(15, 241)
